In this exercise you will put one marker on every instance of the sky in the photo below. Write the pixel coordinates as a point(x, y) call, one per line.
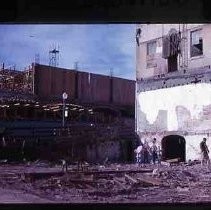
point(99, 48)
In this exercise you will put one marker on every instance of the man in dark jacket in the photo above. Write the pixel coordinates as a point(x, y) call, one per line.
point(204, 152)
point(154, 151)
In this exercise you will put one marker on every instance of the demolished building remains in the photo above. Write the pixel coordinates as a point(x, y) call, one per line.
point(173, 89)
point(99, 123)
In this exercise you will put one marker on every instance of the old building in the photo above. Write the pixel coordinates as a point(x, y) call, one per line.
point(173, 87)
point(98, 124)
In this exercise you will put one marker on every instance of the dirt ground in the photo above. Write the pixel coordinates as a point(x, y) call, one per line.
point(129, 183)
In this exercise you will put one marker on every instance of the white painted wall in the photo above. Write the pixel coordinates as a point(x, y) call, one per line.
point(183, 106)
point(194, 116)
point(192, 143)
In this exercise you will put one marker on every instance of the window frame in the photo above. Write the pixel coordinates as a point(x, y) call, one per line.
point(151, 42)
point(191, 45)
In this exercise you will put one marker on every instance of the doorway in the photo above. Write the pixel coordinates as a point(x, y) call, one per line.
point(172, 63)
point(173, 146)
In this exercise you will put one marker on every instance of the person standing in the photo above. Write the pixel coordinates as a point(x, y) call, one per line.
point(204, 152)
point(154, 151)
point(159, 155)
point(145, 152)
point(138, 154)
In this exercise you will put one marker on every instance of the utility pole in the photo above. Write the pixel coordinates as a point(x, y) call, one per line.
point(64, 97)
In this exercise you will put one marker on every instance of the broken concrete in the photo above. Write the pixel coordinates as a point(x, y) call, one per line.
point(154, 183)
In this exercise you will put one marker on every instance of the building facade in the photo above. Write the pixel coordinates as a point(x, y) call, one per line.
point(173, 87)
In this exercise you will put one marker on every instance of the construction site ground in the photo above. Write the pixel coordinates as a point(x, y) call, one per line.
point(41, 182)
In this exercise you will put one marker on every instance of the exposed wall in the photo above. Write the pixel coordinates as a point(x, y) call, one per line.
point(78, 142)
point(82, 86)
point(84, 90)
point(192, 142)
point(155, 32)
point(100, 88)
point(123, 91)
point(51, 81)
point(110, 150)
point(177, 103)
point(183, 110)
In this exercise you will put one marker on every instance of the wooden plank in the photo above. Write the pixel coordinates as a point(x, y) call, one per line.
point(89, 186)
point(118, 171)
point(82, 181)
point(119, 183)
point(174, 160)
point(135, 181)
point(150, 180)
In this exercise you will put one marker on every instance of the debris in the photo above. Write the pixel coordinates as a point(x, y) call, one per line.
point(4, 161)
point(105, 161)
point(165, 163)
point(155, 172)
point(183, 189)
point(101, 166)
point(194, 162)
point(175, 184)
point(174, 160)
point(119, 183)
point(135, 181)
point(149, 180)
point(64, 165)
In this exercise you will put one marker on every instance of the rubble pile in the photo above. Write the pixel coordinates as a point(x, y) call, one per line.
point(114, 183)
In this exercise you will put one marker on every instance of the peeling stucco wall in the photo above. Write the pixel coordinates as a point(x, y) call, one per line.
point(185, 108)
point(182, 110)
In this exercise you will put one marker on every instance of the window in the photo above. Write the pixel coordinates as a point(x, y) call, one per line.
point(196, 45)
point(151, 48)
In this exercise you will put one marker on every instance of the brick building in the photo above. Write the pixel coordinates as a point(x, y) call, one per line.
point(173, 90)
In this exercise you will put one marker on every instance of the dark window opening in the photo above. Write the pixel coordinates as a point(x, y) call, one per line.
point(173, 146)
point(196, 47)
point(150, 57)
point(172, 63)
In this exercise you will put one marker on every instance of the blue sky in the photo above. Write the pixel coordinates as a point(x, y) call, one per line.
point(96, 48)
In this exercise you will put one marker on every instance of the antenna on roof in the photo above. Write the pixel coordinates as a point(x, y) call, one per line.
point(54, 56)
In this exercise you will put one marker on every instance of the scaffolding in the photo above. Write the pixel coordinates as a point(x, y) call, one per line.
point(14, 80)
point(54, 56)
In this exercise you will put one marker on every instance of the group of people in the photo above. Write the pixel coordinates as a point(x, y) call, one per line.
point(146, 154)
